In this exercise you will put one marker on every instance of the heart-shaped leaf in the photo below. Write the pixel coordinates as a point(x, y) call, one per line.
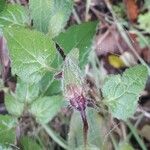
point(121, 93)
point(32, 53)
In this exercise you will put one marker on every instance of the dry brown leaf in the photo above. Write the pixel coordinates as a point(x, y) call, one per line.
point(145, 132)
point(131, 9)
point(146, 54)
point(111, 41)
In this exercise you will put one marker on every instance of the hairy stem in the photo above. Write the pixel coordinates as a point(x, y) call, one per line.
point(85, 127)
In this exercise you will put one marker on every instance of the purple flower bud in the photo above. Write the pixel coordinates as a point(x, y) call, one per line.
point(76, 97)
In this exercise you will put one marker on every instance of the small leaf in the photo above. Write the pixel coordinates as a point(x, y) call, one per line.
point(121, 93)
point(96, 134)
point(124, 146)
point(71, 72)
point(29, 144)
point(44, 109)
point(53, 18)
point(32, 53)
point(14, 15)
point(144, 23)
point(7, 133)
point(13, 106)
point(78, 36)
point(26, 92)
point(2, 4)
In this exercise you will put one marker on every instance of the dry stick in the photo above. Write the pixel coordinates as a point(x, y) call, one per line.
point(126, 36)
point(76, 16)
point(88, 3)
point(101, 16)
point(85, 127)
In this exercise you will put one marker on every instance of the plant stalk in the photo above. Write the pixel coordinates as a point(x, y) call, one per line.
point(85, 127)
point(55, 137)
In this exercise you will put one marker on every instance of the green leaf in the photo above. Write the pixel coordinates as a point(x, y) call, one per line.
point(44, 109)
point(96, 132)
point(14, 15)
point(13, 106)
point(29, 144)
point(2, 4)
point(50, 86)
point(26, 92)
point(32, 53)
point(144, 23)
point(40, 12)
point(78, 36)
point(71, 72)
point(121, 93)
point(5, 148)
point(60, 12)
point(124, 146)
point(50, 15)
point(7, 133)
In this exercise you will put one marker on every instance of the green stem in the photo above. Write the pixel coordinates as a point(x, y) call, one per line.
point(134, 132)
point(54, 136)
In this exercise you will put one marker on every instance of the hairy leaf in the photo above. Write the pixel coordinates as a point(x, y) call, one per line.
point(14, 15)
point(96, 134)
point(49, 86)
point(26, 92)
point(50, 15)
point(32, 53)
point(40, 12)
point(78, 36)
point(13, 106)
point(7, 133)
point(71, 72)
point(44, 109)
point(60, 12)
point(121, 93)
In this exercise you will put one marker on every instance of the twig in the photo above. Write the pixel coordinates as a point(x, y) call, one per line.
point(145, 113)
point(126, 36)
point(76, 16)
point(88, 3)
point(53, 135)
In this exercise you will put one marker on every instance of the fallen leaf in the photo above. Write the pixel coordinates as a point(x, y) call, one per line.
point(131, 10)
point(145, 132)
